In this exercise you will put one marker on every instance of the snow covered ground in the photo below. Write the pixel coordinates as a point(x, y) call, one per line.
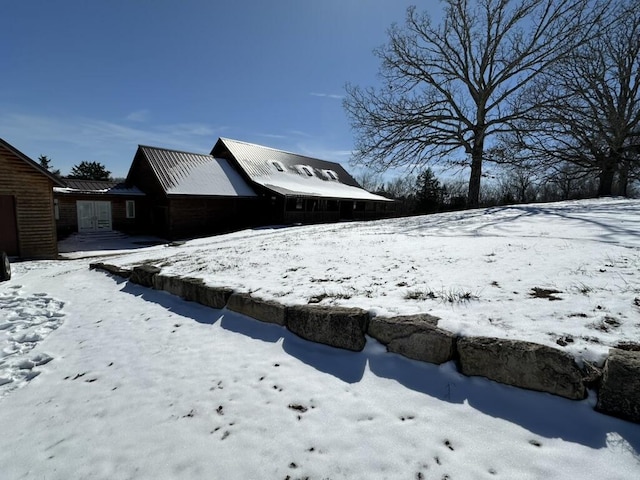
point(485, 272)
point(104, 379)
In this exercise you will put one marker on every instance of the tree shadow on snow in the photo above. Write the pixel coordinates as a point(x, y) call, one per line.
point(612, 217)
point(617, 220)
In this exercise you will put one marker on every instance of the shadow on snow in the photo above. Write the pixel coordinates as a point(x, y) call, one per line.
point(541, 413)
point(612, 217)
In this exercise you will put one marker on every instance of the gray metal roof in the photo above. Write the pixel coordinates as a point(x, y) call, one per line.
point(291, 174)
point(184, 173)
point(96, 187)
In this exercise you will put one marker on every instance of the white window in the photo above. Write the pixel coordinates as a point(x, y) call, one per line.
point(131, 209)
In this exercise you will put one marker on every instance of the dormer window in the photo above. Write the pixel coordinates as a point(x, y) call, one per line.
point(307, 170)
point(331, 174)
point(278, 166)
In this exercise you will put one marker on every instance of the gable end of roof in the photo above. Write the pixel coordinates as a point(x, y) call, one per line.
point(56, 181)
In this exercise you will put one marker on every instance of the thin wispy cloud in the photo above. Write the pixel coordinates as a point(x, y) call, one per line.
point(73, 139)
point(296, 141)
point(323, 153)
point(138, 116)
point(299, 133)
point(272, 135)
point(334, 96)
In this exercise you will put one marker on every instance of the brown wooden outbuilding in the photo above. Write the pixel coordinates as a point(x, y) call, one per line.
point(191, 194)
point(295, 188)
point(27, 225)
point(99, 206)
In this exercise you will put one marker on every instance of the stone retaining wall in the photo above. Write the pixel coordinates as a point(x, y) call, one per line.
point(518, 363)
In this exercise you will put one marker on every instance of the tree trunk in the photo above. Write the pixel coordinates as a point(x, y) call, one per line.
point(473, 198)
point(607, 173)
point(623, 179)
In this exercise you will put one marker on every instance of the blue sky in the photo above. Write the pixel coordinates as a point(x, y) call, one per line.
point(90, 80)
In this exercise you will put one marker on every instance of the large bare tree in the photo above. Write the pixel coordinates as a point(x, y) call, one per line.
point(448, 88)
point(590, 105)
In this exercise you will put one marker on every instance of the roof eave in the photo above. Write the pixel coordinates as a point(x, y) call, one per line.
point(31, 163)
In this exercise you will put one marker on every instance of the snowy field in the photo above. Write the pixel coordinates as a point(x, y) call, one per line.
point(565, 275)
point(103, 379)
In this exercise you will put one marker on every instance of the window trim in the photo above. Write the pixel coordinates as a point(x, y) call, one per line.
point(130, 209)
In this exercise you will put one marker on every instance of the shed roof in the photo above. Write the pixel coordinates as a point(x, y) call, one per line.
point(184, 173)
point(98, 187)
point(17, 153)
point(291, 174)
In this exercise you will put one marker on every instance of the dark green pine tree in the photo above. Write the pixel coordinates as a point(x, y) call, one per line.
point(429, 192)
point(90, 171)
point(45, 162)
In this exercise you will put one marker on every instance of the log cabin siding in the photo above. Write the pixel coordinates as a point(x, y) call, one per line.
point(200, 216)
point(142, 176)
point(33, 195)
point(67, 221)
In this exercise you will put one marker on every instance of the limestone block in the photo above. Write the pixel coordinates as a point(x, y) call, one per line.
point(112, 269)
point(335, 326)
point(169, 284)
point(143, 275)
point(263, 310)
point(619, 393)
point(522, 364)
point(414, 336)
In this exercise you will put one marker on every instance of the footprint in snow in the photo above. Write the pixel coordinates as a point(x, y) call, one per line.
point(25, 321)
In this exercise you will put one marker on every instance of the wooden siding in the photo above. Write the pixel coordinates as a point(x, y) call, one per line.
point(33, 194)
point(191, 216)
point(67, 221)
point(142, 176)
point(313, 210)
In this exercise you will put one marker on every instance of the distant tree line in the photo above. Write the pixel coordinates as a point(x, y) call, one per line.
point(505, 185)
point(546, 91)
point(82, 171)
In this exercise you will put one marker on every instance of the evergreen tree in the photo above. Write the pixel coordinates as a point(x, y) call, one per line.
point(429, 192)
point(90, 171)
point(45, 162)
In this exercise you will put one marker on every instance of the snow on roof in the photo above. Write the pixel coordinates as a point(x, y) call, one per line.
point(294, 184)
point(184, 173)
point(291, 174)
point(79, 186)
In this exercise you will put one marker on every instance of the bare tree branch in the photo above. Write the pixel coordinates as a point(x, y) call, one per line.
point(448, 88)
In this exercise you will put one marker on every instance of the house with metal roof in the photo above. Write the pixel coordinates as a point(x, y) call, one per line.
point(98, 206)
point(27, 226)
point(191, 194)
point(300, 189)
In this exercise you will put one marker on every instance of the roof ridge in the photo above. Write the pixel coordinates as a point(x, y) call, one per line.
point(30, 162)
point(174, 150)
point(275, 149)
